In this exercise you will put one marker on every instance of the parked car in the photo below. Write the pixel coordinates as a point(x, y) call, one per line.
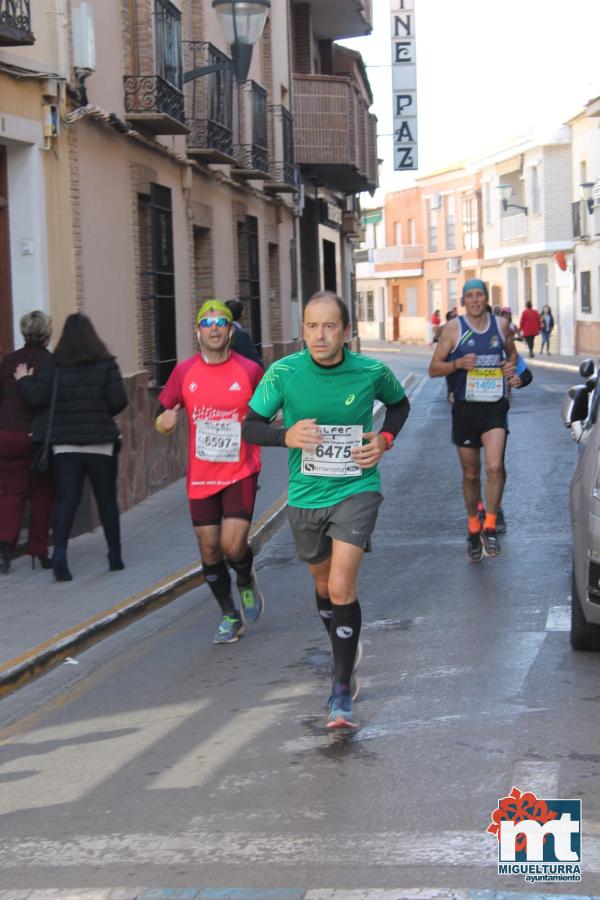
point(581, 413)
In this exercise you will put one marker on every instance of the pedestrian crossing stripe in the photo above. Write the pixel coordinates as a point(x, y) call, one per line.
point(124, 893)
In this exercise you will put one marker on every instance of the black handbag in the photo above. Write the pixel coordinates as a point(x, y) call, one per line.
point(40, 459)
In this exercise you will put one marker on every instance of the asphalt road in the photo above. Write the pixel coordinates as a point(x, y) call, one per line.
point(163, 761)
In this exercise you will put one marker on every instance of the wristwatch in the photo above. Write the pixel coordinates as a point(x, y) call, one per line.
point(389, 439)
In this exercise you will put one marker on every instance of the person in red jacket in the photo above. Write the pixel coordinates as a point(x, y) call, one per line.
point(530, 325)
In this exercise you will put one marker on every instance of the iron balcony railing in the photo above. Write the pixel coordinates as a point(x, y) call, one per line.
point(209, 100)
point(283, 169)
point(15, 23)
point(152, 94)
point(253, 156)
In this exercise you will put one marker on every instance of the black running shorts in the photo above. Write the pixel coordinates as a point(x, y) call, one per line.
point(470, 420)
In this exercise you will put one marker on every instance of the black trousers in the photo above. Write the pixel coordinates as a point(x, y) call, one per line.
point(529, 341)
point(70, 470)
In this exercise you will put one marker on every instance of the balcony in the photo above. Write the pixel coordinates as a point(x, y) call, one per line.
point(209, 106)
point(401, 253)
point(252, 153)
point(154, 105)
point(513, 227)
point(335, 136)
point(15, 23)
point(282, 170)
point(336, 19)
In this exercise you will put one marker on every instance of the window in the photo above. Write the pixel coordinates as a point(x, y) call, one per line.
point(541, 285)
point(412, 232)
point(535, 190)
point(451, 287)
point(157, 282)
point(586, 294)
point(576, 218)
point(450, 222)
point(487, 202)
point(168, 43)
point(366, 306)
point(398, 234)
point(411, 301)
point(434, 296)
point(512, 277)
point(470, 224)
point(219, 88)
point(432, 230)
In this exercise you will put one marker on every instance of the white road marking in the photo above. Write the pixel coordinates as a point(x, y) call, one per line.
point(559, 618)
point(382, 850)
point(210, 755)
point(44, 752)
point(538, 776)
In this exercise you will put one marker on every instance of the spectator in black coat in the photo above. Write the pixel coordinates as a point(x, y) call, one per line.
point(17, 482)
point(242, 342)
point(84, 437)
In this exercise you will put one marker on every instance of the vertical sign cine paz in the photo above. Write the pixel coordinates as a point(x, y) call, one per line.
point(404, 84)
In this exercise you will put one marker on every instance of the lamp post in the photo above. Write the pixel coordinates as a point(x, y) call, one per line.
point(505, 191)
point(242, 22)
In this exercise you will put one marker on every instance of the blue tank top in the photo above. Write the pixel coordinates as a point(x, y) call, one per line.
point(488, 347)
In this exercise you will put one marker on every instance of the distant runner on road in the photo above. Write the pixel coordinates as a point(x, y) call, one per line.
point(214, 387)
point(476, 352)
point(327, 393)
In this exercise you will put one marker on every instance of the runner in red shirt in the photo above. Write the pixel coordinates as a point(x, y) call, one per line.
point(214, 387)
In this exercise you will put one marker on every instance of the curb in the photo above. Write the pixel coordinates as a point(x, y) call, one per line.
point(566, 367)
point(17, 672)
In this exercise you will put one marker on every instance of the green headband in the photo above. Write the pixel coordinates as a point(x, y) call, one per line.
point(213, 306)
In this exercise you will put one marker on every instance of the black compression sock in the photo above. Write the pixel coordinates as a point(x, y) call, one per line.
point(243, 568)
point(325, 610)
point(219, 581)
point(345, 631)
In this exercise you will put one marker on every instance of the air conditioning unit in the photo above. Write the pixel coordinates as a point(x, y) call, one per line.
point(435, 201)
point(84, 39)
point(453, 264)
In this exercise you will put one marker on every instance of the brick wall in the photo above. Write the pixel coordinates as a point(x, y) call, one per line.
point(203, 269)
point(301, 39)
point(73, 144)
point(275, 315)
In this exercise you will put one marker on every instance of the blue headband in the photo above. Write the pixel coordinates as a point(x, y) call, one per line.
point(474, 284)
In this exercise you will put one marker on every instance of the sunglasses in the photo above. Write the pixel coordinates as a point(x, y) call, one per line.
point(208, 321)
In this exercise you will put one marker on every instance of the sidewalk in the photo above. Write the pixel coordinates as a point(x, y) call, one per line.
point(566, 363)
point(43, 621)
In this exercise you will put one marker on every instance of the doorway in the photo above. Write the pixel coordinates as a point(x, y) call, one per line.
point(329, 269)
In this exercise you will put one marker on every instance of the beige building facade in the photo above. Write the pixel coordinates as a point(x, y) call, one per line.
point(133, 193)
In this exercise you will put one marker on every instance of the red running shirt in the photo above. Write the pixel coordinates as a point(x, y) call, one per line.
point(215, 398)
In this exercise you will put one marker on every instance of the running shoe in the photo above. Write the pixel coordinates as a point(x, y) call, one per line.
point(340, 709)
point(230, 630)
point(500, 522)
point(253, 602)
point(491, 544)
point(474, 550)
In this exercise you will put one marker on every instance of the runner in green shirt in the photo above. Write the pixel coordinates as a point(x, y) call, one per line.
point(326, 394)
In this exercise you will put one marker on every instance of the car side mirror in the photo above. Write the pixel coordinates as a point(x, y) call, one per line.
point(586, 368)
point(575, 405)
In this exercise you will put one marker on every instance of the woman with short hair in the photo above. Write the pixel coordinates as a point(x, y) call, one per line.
point(17, 482)
point(84, 436)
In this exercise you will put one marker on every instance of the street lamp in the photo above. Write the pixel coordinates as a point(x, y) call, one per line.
point(587, 193)
point(505, 191)
point(242, 23)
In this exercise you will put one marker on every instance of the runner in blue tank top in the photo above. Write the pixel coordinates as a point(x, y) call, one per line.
point(476, 352)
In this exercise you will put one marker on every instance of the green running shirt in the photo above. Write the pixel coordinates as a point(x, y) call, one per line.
point(333, 395)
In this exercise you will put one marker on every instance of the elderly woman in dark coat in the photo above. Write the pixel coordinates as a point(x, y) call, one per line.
point(84, 436)
point(17, 482)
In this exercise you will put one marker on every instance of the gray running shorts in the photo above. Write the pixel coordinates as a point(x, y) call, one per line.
point(351, 521)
